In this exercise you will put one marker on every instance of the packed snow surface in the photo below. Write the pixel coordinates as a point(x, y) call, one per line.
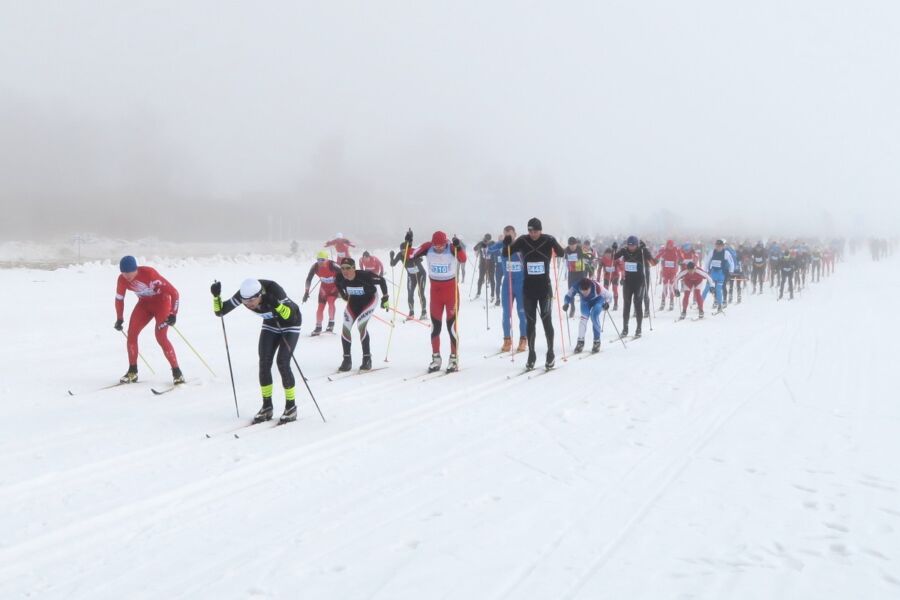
point(750, 455)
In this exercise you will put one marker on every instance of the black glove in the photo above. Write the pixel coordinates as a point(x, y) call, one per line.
point(392, 256)
point(566, 307)
point(615, 246)
point(642, 244)
point(385, 302)
point(507, 240)
point(171, 320)
point(306, 296)
point(216, 288)
point(408, 237)
point(118, 325)
point(677, 294)
point(605, 306)
point(455, 241)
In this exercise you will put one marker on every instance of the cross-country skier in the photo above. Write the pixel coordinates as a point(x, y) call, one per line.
point(719, 265)
point(443, 261)
point(590, 258)
point(689, 280)
point(734, 276)
point(157, 299)
point(416, 274)
point(485, 266)
point(371, 263)
point(341, 246)
point(513, 275)
point(671, 258)
point(612, 271)
point(326, 270)
point(788, 268)
point(635, 257)
point(594, 300)
point(357, 288)
point(277, 338)
point(758, 261)
point(537, 249)
point(576, 265)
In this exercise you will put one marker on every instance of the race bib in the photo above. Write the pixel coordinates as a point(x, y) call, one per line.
point(266, 315)
point(573, 257)
point(412, 270)
point(327, 279)
point(536, 268)
point(715, 264)
point(631, 267)
point(788, 269)
point(437, 269)
point(669, 264)
point(514, 266)
point(758, 260)
point(355, 291)
point(609, 269)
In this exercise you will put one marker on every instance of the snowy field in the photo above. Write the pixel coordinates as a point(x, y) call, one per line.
point(752, 455)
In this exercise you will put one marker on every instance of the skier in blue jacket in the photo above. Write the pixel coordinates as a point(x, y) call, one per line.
point(719, 265)
point(511, 268)
point(594, 300)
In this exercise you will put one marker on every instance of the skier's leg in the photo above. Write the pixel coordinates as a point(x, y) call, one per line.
point(162, 311)
point(595, 312)
point(268, 345)
point(626, 305)
point(531, 305)
point(140, 316)
point(347, 329)
point(362, 323)
point(411, 283)
point(520, 310)
point(507, 309)
point(285, 347)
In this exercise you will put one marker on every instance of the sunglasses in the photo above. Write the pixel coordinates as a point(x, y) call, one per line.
point(346, 268)
point(249, 300)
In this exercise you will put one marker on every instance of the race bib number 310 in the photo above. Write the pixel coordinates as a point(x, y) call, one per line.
point(536, 268)
point(440, 269)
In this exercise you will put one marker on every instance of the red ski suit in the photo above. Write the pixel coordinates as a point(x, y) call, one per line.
point(157, 299)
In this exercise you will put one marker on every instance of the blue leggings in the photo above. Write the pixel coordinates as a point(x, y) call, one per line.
point(719, 278)
point(519, 299)
point(593, 314)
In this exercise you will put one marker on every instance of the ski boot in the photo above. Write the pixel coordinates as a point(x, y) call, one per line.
point(637, 333)
point(523, 344)
point(550, 361)
point(497, 302)
point(347, 364)
point(615, 305)
point(596, 347)
point(411, 315)
point(507, 344)
point(423, 316)
point(671, 305)
point(624, 333)
point(435, 363)
point(366, 363)
point(453, 364)
point(177, 377)
point(316, 331)
point(130, 376)
point(532, 358)
point(683, 315)
point(701, 314)
point(662, 306)
point(330, 328)
point(265, 413)
point(578, 347)
point(289, 415)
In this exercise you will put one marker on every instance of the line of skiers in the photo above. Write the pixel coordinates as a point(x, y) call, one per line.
point(520, 274)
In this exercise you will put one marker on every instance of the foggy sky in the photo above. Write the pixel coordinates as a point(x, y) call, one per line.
point(212, 120)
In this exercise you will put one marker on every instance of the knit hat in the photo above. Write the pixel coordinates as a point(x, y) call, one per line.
point(535, 223)
point(128, 264)
point(439, 238)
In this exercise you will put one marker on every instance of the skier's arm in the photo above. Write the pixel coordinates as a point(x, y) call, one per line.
point(309, 276)
point(223, 308)
point(282, 302)
point(554, 245)
point(120, 297)
point(648, 258)
point(169, 290)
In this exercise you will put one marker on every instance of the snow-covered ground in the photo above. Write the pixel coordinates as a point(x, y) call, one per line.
point(752, 455)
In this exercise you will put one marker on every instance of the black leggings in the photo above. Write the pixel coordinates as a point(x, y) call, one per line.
point(270, 344)
point(415, 280)
point(633, 291)
point(532, 306)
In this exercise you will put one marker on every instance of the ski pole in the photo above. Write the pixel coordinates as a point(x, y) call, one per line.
point(396, 300)
point(312, 289)
point(230, 371)
point(558, 305)
point(487, 321)
point(302, 376)
point(141, 355)
point(616, 327)
point(195, 351)
point(385, 321)
point(456, 305)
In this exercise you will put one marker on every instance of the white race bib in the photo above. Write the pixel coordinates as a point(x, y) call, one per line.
point(514, 266)
point(631, 267)
point(573, 257)
point(609, 269)
point(715, 264)
point(536, 268)
point(327, 279)
point(669, 264)
point(355, 291)
point(438, 269)
point(412, 270)
point(758, 260)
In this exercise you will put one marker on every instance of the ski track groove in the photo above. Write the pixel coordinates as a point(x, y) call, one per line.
point(25, 554)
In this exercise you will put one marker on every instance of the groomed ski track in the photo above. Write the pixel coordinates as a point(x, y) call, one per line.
point(747, 457)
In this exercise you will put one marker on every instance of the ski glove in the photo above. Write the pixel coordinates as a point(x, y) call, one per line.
point(408, 237)
point(118, 325)
point(216, 288)
point(605, 306)
point(217, 305)
point(283, 311)
point(507, 240)
point(677, 293)
point(392, 258)
point(566, 307)
point(642, 244)
point(306, 296)
point(385, 302)
point(455, 241)
point(171, 320)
